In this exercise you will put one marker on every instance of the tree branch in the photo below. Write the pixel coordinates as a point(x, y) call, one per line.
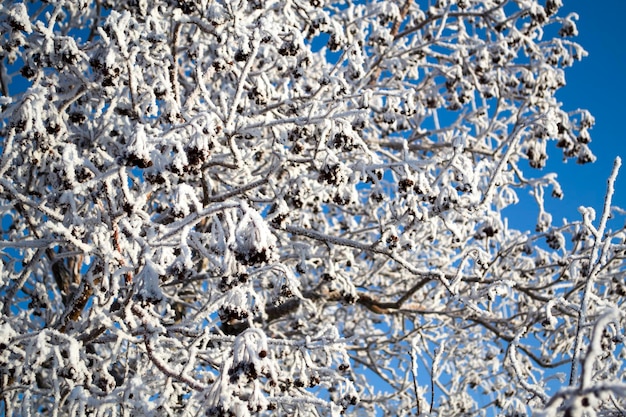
point(594, 261)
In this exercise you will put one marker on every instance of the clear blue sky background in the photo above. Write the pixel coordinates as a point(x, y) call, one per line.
point(597, 83)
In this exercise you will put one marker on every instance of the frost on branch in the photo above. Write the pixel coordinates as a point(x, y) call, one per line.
point(240, 208)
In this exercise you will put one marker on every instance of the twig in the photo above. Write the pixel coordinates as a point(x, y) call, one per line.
point(394, 31)
point(19, 283)
point(434, 371)
point(593, 270)
point(619, 410)
point(239, 190)
point(371, 247)
point(512, 355)
point(174, 67)
point(433, 18)
point(414, 374)
point(162, 366)
point(242, 80)
point(4, 87)
point(40, 207)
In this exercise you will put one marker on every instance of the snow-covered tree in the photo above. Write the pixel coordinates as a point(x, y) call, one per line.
point(295, 207)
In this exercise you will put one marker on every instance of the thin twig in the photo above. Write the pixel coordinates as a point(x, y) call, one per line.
point(594, 262)
point(236, 191)
point(242, 80)
point(174, 67)
point(413, 373)
point(162, 366)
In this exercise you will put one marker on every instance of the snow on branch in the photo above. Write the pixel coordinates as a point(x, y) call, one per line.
point(246, 208)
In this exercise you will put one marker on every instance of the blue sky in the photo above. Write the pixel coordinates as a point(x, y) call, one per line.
point(596, 83)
